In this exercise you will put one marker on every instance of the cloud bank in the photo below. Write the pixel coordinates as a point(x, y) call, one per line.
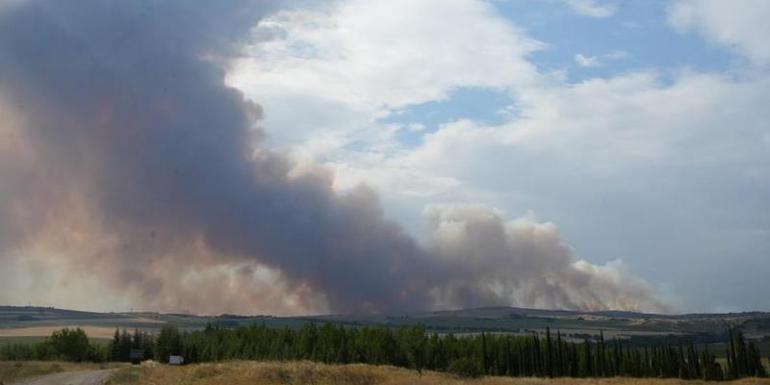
point(129, 168)
point(740, 25)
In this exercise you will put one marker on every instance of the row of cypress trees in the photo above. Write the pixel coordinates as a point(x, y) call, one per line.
point(542, 355)
point(123, 343)
point(743, 359)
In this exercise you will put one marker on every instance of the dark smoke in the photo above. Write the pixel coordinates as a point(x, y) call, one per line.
point(126, 156)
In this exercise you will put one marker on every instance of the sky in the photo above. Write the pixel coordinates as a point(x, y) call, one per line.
point(639, 128)
point(558, 153)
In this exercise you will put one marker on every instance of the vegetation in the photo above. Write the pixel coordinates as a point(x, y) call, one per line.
point(123, 343)
point(70, 345)
point(313, 373)
point(536, 355)
point(11, 371)
point(464, 368)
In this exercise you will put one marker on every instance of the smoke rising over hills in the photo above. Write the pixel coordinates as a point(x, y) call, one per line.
point(127, 164)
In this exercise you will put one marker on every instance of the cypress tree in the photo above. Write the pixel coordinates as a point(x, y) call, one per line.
point(548, 353)
point(586, 366)
point(536, 358)
point(561, 370)
point(484, 359)
point(115, 347)
point(125, 346)
point(754, 362)
point(508, 358)
point(600, 356)
point(732, 362)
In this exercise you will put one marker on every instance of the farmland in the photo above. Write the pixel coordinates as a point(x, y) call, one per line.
point(16, 322)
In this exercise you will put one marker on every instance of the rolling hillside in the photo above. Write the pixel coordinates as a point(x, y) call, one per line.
point(35, 321)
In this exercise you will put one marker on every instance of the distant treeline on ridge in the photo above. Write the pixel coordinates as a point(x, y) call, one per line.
point(537, 355)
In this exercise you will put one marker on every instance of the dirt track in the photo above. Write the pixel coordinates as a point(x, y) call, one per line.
point(83, 377)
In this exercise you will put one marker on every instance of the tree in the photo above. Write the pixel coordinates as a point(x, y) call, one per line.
point(125, 346)
point(115, 347)
point(548, 353)
point(484, 354)
point(169, 343)
point(71, 345)
point(586, 366)
point(415, 343)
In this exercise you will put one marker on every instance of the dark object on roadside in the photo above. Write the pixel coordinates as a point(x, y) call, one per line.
point(136, 356)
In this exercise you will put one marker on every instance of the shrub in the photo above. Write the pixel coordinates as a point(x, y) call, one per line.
point(464, 368)
point(71, 345)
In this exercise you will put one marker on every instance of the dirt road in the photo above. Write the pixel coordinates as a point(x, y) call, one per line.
point(83, 377)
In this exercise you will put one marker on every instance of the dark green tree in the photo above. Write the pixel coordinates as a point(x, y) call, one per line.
point(71, 345)
point(168, 343)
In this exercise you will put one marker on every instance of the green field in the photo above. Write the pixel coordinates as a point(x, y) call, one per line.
point(20, 340)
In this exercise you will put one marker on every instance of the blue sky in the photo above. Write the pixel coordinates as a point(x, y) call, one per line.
point(635, 37)
point(637, 128)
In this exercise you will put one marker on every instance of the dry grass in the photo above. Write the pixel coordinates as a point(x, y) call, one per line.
point(309, 373)
point(14, 370)
point(45, 331)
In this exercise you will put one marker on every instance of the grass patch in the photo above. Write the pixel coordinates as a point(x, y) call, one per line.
point(129, 375)
point(11, 371)
point(310, 373)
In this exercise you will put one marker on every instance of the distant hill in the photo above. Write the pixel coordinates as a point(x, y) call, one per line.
point(18, 320)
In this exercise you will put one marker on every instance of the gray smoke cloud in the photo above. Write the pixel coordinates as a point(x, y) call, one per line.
point(125, 160)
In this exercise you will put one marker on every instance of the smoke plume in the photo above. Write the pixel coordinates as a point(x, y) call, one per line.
point(128, 169)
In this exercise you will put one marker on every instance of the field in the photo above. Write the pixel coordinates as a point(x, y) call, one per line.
point(21, 340)
point(308, 373)
point(40, 321)
point(39, 331)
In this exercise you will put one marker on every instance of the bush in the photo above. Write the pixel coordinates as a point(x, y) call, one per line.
point(71, 345)
point(464, 368)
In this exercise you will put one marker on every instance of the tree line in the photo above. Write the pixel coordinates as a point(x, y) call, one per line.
point(540, 355)
point(63, 345)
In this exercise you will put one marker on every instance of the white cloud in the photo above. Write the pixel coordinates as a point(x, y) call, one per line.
point(592, 8)
point(598, 61)
point(602, 126)
point(363, 59)
point(587, 61)
point(740, 24)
